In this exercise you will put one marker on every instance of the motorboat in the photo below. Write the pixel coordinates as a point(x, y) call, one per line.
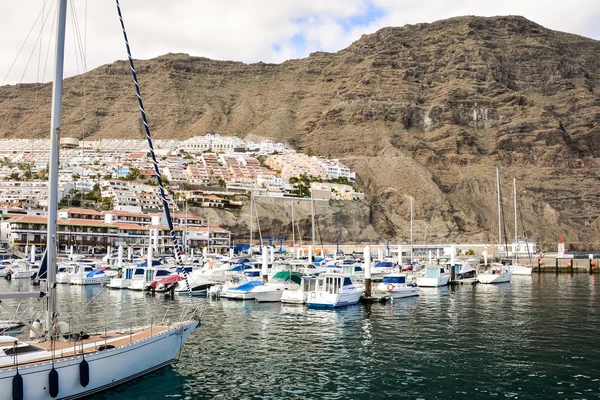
point(94, 277)
point(464, 272)
point(123, 279)
point(23, 269)
point(435, 276)
point(334, 290)
point(242, 292)
point(150, 274)
point(497, 273)
point(300, 294)
point(234, 280)
point(66, 272)
point(272, 290)
point(381, 268)
point(395, 285)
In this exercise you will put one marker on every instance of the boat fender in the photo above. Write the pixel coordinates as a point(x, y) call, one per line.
point(9, 275)
point(53, 383)
point(390, 287)
point(17, 387)
point(84, 373)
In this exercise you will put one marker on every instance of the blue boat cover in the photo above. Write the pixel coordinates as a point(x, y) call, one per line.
point(94, 273)
point(240, 267)
point(249, 285)
point(383, 264)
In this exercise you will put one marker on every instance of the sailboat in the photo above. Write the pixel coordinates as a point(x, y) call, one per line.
point(515, 267)
point(497, 273)
point(60, 364)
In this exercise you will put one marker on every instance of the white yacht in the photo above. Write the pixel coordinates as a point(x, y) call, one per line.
point(123, 281)
point(94, 277)
point(300, 295)
point(272, 290)
point(395, 286)
point(23, 269)
point(435, 275)
point(242, 292)
point(334, 290)
point(150, 274)
point(497, 273)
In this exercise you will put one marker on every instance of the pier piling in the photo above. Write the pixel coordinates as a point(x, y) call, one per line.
point(367, 257)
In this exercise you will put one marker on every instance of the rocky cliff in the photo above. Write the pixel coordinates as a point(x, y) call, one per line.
point(427, 110)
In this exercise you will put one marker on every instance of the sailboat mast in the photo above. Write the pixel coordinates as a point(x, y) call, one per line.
point(499, 210)
point(293, 232)
point(516, 232)
point(411, 230)
point(312, 213)
point(61, 15)
point(251, 215)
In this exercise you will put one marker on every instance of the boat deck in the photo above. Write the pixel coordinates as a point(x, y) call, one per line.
point(70, 348)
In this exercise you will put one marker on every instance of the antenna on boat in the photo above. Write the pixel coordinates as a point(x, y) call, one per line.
point(177, 246)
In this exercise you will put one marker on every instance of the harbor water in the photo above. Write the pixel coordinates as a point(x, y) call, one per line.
point(537, 337)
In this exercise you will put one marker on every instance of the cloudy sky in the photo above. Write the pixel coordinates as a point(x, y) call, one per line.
point(241, 30)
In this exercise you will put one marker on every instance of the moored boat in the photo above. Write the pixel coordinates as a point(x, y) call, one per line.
point(497, 273)
point(435, 276)
point(273, 289)
point(395, 285)
point(334, 290)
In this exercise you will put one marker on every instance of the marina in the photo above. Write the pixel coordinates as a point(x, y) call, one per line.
point(532, 338)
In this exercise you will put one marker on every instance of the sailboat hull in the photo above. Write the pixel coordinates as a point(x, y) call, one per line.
point(520, 270)
point(107, 368)
point(494, 278)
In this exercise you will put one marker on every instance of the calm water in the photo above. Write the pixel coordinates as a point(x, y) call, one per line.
point(538, 337)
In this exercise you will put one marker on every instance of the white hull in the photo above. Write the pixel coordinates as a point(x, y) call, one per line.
point(321, 299)
point(137, 284)
point(441, 280)
point(400, 292)
point(107, 368)
point(96, 280)
point(494, 278)
point(23, 274)
point(294, 297)
point(119, 283)
point(4, 273)
point(520, 270)
point(268, 296)
point(63, 278)
point(239, 295)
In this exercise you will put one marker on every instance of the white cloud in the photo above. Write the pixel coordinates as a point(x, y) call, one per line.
point(250, 31)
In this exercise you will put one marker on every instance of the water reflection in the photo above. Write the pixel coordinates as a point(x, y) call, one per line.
point(532, 338)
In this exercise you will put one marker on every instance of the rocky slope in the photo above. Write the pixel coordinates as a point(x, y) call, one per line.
point(427, 110)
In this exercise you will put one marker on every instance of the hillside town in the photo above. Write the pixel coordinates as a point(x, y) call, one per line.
point(108, 193)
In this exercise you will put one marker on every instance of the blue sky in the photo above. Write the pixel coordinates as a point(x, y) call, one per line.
point(243, 30)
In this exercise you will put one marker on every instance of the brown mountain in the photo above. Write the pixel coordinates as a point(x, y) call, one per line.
point(427, 109)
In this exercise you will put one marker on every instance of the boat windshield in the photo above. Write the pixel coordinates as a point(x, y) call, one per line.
point(394, 279)
point(433, 272)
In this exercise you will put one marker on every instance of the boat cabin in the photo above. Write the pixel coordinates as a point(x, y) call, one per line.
point(434, 271)
point(333, 283)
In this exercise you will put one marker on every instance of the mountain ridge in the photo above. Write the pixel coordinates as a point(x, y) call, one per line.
point(427, 110)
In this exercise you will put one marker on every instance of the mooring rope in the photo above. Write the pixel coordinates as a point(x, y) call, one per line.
point(177, 246)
